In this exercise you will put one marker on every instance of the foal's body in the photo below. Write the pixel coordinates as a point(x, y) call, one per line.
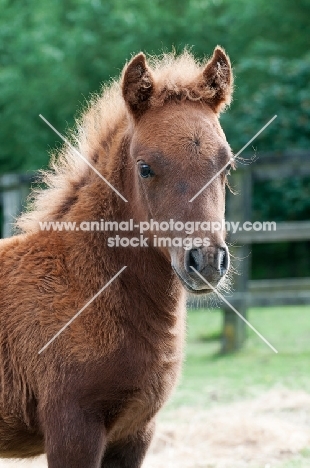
point(117, 374)
point(90, 398)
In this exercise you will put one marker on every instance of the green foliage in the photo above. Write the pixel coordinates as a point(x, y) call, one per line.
point(280, 260)
point(294, 207)
point(280, 88)
point(53, 55)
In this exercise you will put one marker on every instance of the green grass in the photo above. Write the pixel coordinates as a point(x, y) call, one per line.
point(210, 377)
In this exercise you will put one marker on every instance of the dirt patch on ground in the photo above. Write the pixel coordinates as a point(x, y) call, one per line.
point(257, 433)
point(262, 433)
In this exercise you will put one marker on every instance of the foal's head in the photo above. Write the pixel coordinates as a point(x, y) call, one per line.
point(177, 146)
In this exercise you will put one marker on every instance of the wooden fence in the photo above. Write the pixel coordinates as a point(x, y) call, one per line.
point(14, 188)
point(268, 166)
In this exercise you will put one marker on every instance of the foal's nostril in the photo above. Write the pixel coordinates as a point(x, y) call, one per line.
point(194, 259)
point(223, 260)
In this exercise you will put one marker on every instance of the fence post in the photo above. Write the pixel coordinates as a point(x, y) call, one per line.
point(13, 195)
point(238, 210)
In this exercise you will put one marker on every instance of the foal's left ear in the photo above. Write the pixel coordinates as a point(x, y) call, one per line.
point(137, 86)
point(218, 80)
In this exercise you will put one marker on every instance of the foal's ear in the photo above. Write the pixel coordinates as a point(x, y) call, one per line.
point(137, 85)
point(218, 80)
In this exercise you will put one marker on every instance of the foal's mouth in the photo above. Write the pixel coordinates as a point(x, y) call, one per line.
point(192, 288)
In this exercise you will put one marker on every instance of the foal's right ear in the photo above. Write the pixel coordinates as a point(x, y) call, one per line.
point(137, 86)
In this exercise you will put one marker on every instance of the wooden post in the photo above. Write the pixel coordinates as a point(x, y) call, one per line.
point(12, 197)
point(238, 210)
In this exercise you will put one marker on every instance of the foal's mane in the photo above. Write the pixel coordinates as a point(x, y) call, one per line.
point(175, 78)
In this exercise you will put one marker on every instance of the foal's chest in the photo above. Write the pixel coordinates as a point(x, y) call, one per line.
point(147, 397)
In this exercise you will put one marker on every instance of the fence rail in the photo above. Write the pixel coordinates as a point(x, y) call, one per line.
point(293, 231)
point(287, 291)
point(271, 292)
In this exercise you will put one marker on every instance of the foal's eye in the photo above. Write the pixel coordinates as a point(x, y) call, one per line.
point(227, 169)
point(145, 170)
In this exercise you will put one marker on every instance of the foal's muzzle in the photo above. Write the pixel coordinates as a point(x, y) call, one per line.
point(216, 261)
point(212, 264)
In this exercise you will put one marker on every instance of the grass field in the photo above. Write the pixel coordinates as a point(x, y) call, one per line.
point(252, 370)
point(246, 410)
